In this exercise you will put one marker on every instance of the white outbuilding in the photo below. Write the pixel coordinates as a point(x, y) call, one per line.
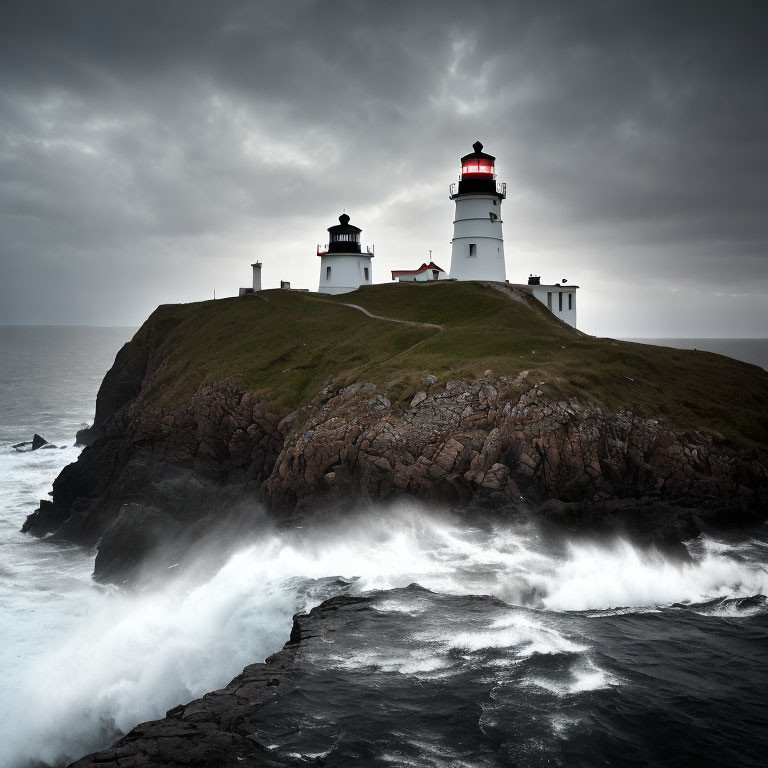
point(477, 248)
point(559, 299)
point(343, 265)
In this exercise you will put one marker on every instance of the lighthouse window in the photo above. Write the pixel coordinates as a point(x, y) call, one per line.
point(327, 273)
point(570, 301)
point(549, 300)
point(472, 250)
point(365, 272)
point(477, 165)
point(346, 238)
point(559, 302)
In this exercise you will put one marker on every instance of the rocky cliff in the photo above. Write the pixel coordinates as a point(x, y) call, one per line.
point(184, 442)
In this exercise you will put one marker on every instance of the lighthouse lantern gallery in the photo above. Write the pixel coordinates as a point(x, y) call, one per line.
point(477, 247)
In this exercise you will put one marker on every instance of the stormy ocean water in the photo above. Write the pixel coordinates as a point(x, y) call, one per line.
point(591, 654)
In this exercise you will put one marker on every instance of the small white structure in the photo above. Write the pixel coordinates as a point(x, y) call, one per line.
point(559, 299)
point(256, 281)
point(424, 273)
point(343, 265)
point(477, 248)
point(256, 276)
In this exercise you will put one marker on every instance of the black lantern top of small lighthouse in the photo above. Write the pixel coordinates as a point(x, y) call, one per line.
point(344, 237)
point(478, 175)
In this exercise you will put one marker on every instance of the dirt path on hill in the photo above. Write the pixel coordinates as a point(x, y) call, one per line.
point(369, 366)
point(391, 319)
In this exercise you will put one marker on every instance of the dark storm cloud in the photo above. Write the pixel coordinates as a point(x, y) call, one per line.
point(148, 150)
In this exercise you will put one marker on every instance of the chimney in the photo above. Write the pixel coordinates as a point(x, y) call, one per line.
point(256, 276)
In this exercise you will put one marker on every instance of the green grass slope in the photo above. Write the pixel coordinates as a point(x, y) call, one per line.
point(286, 344)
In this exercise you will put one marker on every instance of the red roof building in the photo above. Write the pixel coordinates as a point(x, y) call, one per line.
point(425, 272)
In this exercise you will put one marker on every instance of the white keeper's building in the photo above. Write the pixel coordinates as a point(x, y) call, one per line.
point(559, 299)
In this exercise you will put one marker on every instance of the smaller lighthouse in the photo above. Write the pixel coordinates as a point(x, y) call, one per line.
point(477, 248)
point(343, 265)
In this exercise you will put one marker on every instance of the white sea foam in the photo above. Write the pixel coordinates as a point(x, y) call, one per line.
point(584, 676)
point(415, 661)
point(525, 635)
point(594, 576)
point(115, 659)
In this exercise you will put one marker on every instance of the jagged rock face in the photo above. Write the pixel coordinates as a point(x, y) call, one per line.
point(162, 479)
point(160, 475)
point(463, 443)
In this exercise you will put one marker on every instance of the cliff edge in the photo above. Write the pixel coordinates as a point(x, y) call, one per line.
point(286, 404)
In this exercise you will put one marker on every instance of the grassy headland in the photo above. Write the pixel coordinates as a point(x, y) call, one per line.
point(286, 344)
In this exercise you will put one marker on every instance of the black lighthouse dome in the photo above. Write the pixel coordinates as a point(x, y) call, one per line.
point(344, 237)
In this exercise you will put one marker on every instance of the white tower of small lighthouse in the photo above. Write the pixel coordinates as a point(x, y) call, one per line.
point(343, 265)
point(477, 248)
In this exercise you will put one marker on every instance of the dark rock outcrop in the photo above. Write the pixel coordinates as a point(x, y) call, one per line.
point(45, 519)
point(34, 444)
point(155, 483)
point(290, 710)
point(226, 727)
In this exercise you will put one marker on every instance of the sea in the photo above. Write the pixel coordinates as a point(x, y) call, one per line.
point(601, 653)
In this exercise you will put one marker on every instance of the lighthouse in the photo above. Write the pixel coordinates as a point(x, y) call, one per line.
point(343, 265)
point(477, 248)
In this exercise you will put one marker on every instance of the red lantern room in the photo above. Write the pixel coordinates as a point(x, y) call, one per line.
point(478, 176)
point(478, 165)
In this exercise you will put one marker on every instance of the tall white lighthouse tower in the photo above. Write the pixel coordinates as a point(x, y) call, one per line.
point(477, 248)
point(343, 265)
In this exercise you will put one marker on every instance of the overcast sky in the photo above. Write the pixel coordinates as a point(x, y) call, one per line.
point(150, 151)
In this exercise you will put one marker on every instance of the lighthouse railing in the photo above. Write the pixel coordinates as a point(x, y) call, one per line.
point(501, 188)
